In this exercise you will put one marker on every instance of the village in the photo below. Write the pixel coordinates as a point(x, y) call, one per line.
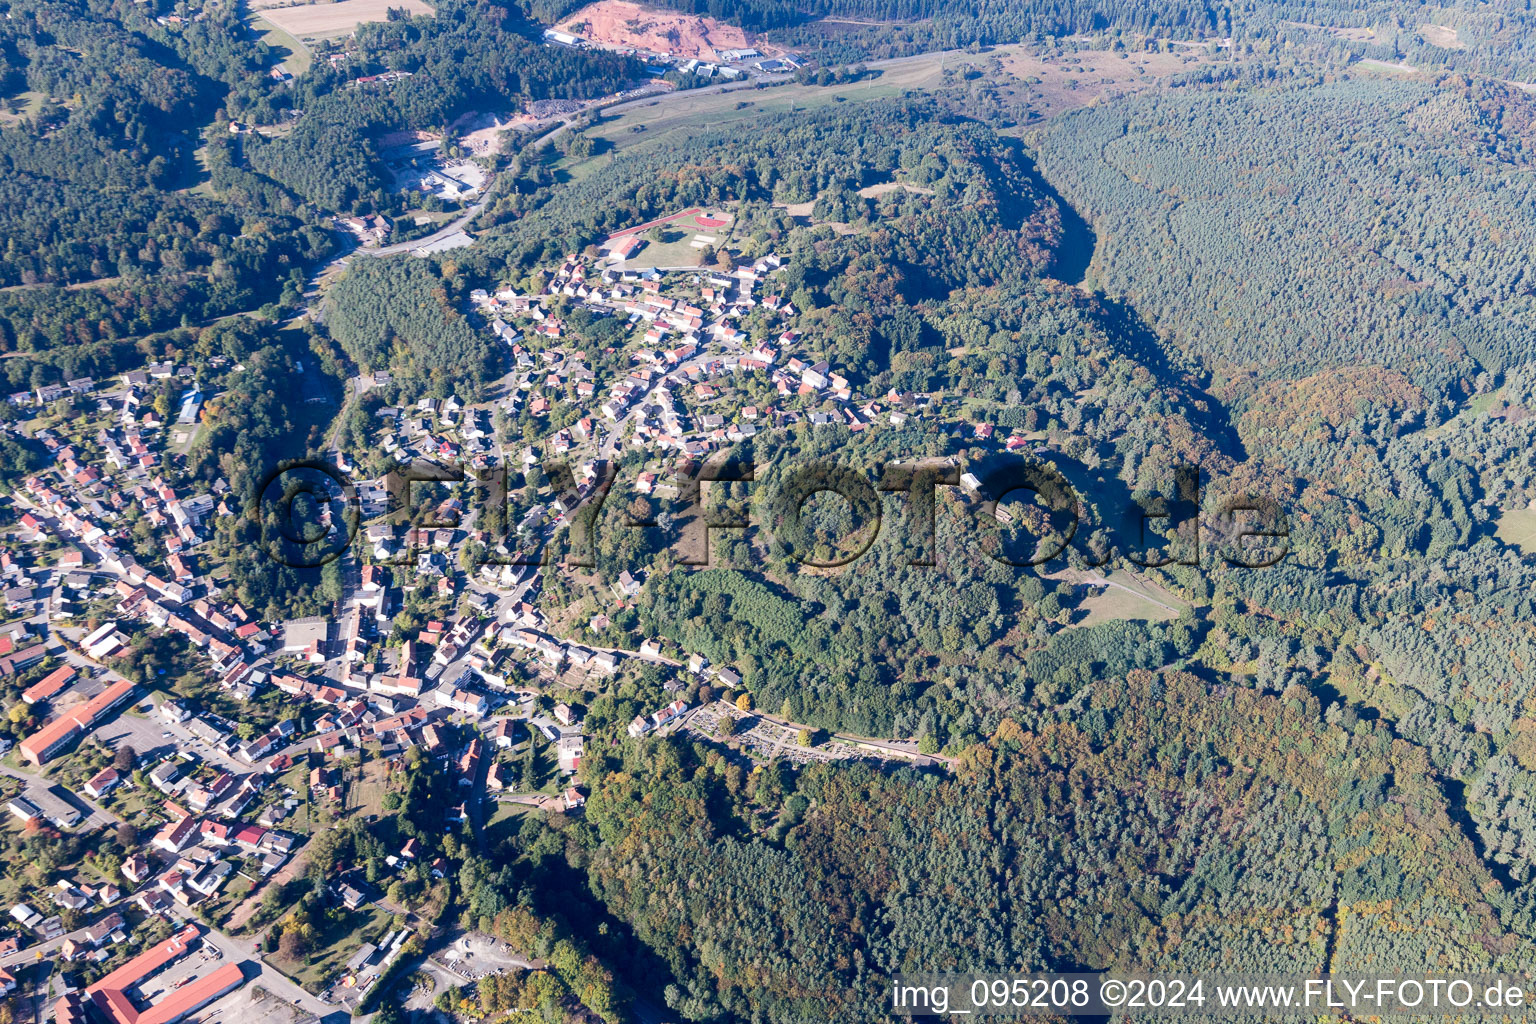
point(213, 795)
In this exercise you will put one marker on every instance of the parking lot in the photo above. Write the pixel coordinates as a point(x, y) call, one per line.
point(150, 735)
point(204, 959)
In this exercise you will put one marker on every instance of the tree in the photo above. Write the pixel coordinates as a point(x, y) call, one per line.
point(125, 759)
point(804, 737)
point(292, 945)
point(744, 702)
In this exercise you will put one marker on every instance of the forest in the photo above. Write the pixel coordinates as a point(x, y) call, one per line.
point(974, 216)
point(1494, 39)
point(128, 207)
point(1337, 234)
point(952, 296)
point(1152, 822)
point(393, 315)
point(101, 241)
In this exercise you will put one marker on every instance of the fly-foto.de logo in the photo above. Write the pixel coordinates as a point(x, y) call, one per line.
point(1017, 513)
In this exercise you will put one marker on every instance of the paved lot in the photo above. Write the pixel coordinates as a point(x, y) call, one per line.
point(147, 736)
point(249, 1004)
point(203, 960)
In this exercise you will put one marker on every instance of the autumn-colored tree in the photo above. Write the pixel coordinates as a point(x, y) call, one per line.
point(292, 945)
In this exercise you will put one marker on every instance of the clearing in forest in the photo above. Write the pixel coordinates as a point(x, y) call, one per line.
point(1517, 527)
point(1061, 82)
point(1441, 36)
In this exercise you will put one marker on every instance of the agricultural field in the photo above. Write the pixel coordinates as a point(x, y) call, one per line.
point(339, 19)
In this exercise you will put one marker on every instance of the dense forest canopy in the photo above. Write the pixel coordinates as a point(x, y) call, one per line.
point(1487, 38)
point(1299, 299)
point(95, 180)
point(1139, 830)
point(128, 207)
point(975, 216)
point(1289, 229)
point(390, 315)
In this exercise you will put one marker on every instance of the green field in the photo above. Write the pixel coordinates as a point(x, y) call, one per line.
point(1517, 527)
point(1111, 604)
point(505, 821)
point(1136, 601)
point(366, 790)
point(1482, 403)
point(296, 56)
point(27, 104)
point(677, 250)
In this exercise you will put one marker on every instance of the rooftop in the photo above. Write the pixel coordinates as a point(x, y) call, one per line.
point(110, 994)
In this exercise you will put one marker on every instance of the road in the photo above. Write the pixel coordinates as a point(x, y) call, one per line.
point(450, 672)
point(268, 977)
point(31, 954)
point(709, 90)
point(146, 737)
point(441, 233)
point(675, 378)
point(239, 950)
point(461, 222)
